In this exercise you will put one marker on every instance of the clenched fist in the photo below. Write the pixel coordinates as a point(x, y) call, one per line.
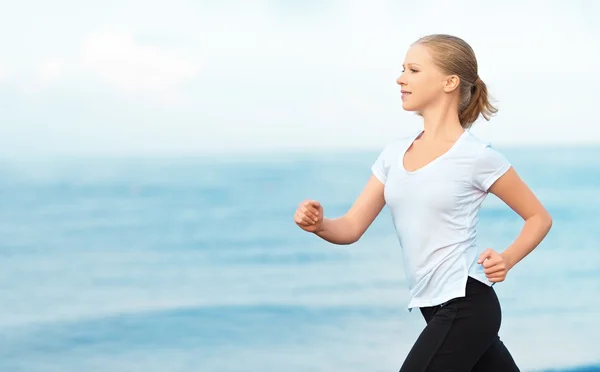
point(494, 264)
point(309, 215)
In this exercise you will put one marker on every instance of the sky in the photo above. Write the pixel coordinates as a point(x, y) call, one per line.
point(134, 77)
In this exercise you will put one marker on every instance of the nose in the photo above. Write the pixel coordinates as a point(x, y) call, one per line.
point(401, 80)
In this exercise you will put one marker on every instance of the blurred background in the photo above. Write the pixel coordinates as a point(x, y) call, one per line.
point(152, 155)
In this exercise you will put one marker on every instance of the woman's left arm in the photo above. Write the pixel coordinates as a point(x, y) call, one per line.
point(513, 191)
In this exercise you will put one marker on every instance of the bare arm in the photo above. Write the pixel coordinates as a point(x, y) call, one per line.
point(511, 189)
point(349, 228)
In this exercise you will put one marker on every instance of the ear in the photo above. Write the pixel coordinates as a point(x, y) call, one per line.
point(451, 83)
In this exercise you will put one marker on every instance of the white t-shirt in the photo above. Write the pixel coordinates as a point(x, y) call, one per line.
point(435, 212)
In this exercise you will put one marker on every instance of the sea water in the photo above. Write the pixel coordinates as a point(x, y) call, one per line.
point(195, 264)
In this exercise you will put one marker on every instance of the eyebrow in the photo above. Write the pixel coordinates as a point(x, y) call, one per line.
point(410, 63)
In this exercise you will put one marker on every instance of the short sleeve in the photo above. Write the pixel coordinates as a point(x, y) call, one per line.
point(380, 166)
point(489, 166)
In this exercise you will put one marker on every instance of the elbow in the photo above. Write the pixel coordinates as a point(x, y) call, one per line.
point(354, 238)
point(353, 231)
point(549, 222)
point(351, 238)
point(546, 221)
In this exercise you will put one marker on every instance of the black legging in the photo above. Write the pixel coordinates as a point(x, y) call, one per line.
point(462, 336)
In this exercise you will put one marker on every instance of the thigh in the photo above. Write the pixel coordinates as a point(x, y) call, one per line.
point(450, 342)
point(457, 334)
point(431, 340)
point(496, 358)
point(470, 336)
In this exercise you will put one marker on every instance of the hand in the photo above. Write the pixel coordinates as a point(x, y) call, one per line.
point(309, 215)
point(495, 265)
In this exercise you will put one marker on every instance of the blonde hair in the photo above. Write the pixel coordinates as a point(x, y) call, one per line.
point(455, 57)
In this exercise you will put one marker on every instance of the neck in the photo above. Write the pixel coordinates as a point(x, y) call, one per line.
point(441, 123)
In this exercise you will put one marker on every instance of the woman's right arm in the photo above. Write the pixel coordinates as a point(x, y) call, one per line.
point(350, 227)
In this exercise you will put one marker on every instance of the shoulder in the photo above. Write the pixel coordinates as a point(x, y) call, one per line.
point(488, 163)
point(476, 145)
point(479, 150)
point(389, 156)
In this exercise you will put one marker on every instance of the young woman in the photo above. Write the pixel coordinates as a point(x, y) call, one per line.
point(434, 183)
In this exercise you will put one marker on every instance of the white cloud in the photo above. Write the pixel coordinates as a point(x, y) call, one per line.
point(275, 75)
point(132, 67)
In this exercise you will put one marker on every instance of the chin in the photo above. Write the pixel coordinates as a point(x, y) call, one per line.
point(408, 107)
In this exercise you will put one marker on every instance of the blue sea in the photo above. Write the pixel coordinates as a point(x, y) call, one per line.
point(195, 264)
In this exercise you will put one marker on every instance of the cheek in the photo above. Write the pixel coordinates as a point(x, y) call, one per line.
point(417, 83)
point(423, 92)
point(426, 87)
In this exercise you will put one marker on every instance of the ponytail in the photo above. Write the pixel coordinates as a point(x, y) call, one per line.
point(478, 104)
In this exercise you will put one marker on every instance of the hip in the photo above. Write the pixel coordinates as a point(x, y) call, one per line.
point(479, 305)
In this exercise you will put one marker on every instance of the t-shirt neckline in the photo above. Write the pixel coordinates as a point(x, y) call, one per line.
point(431, 163)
